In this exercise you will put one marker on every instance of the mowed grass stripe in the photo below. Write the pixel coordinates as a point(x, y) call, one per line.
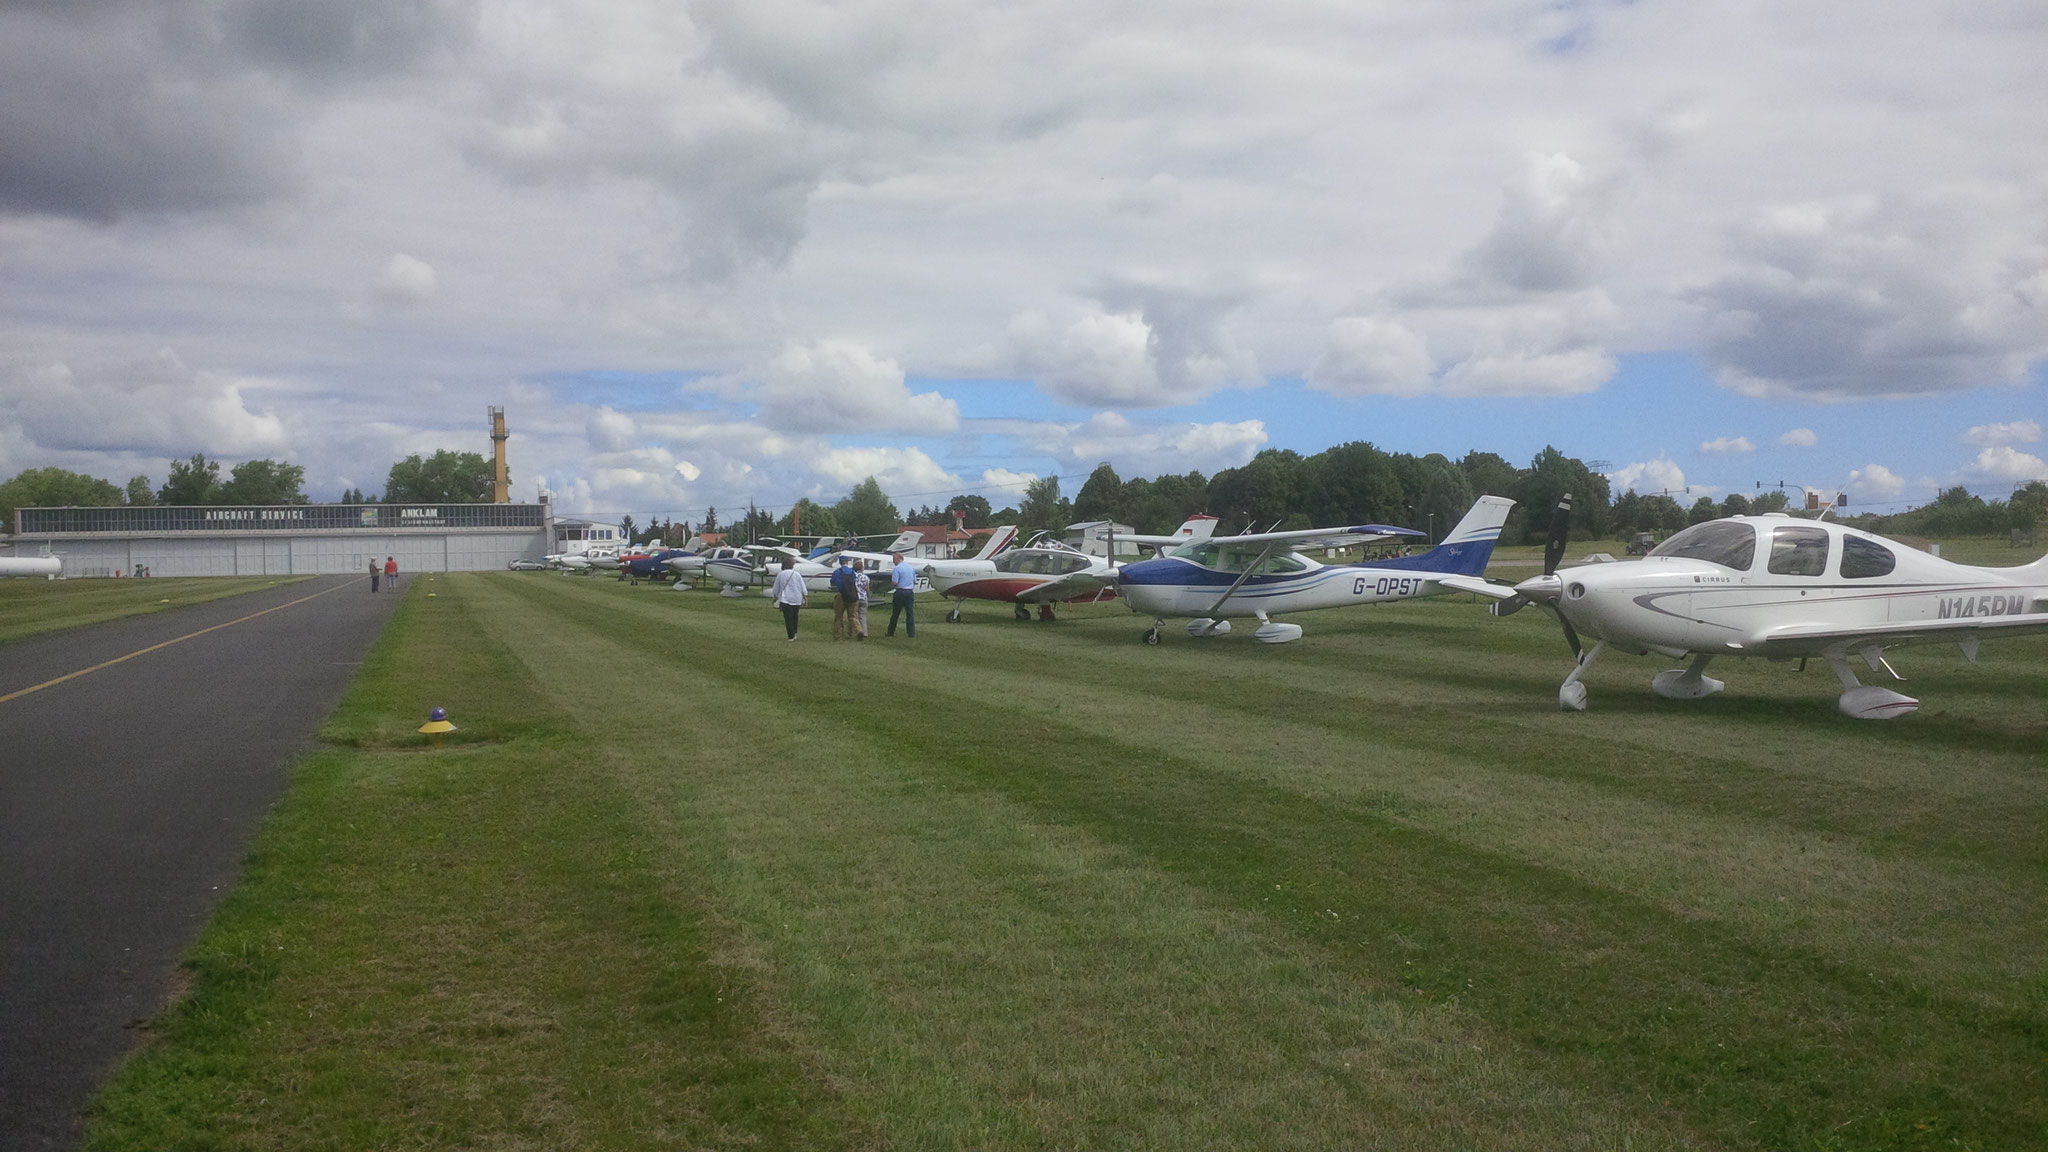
point(1919, 917)
point(480, 946)
point(986, 978)
point(1817, 1046)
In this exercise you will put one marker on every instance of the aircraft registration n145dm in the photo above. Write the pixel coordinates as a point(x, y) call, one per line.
point(1264, 573)
point(1782, 588)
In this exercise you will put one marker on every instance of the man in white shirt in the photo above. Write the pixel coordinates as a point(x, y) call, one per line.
point(903, 601)
point(790, 594)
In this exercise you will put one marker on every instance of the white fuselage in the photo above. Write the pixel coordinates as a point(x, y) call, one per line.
point(1799, 588)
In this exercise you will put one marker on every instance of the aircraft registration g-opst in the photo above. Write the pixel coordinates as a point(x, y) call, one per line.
point(1782, 588)
point(1264, 573)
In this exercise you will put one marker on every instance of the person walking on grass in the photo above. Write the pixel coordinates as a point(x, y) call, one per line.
point(789, 593)
point(861, 586)
point(842, 599)
point(903, 601)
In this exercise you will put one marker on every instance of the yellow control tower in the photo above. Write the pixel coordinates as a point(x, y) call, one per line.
point(502, 494)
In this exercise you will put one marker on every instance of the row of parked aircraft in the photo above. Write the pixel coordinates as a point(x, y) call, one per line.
point(1773, 585)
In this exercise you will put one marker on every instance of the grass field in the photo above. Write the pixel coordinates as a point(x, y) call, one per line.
point(28, 607)
point(677, 883)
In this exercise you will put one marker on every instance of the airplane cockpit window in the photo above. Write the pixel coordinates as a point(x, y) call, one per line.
point(1282, 564)
point(1863, 559)
point(1068, 564)
point(1199, 552)
point(1798, 550)
point(1729, 543)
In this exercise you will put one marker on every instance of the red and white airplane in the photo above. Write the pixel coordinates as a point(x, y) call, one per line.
point(1046, 572)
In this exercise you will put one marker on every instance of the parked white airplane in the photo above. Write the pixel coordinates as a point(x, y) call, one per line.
point(1263, 573)
point(49, 566)
point(759, 564)
point(1784, 589)
point(1043, 572)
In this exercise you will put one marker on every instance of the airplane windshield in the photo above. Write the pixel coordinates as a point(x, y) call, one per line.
point(1236, 559)
point(1729, 543)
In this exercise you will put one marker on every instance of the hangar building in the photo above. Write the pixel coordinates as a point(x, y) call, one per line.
point(283, 540)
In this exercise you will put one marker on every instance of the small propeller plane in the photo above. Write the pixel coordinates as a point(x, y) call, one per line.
point(1263, 573)
point(1044, 572)
point(1779, 587)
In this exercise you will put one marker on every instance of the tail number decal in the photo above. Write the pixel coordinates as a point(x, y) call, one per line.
point(1387, 586)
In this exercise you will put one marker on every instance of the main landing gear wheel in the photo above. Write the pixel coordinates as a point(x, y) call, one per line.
point(1023, 613)
point(953, 617)
point(1152, 637)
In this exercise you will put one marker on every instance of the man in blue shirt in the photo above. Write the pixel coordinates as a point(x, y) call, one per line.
point(842, 599)
point(903, 601)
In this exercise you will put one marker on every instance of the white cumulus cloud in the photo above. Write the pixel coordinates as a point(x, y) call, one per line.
point(1799, 438)
point(842, 386)
point(1875, 484)
point(1727, 444)
point(2009, 465)
point(1993, 435)
point(406, 280)
point(1648, 477)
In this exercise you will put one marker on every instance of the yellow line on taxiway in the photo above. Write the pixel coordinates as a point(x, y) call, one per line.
point(166, 644)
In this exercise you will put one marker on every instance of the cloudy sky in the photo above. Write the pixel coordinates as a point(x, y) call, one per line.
point(706, 253)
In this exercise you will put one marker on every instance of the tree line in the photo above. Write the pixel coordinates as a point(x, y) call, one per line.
point(443, 478)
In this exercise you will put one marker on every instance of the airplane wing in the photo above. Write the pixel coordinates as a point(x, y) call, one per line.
point(1072, 586)
point(1803, 639)
point(1476, 585)
point(1318, 537)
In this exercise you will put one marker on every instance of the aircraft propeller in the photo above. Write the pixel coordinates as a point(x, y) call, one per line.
point(1547, 589)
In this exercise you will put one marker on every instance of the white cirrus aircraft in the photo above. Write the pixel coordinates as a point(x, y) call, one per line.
point(1782, 588)
point(1261, 574)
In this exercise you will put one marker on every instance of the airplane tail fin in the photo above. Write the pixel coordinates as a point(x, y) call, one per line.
point(1200, 526)
point(1002, 537)
point(1468, 546)
point(906, 540)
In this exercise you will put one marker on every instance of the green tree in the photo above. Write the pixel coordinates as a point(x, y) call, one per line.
point(817, 520)
point(194, 481)
point(867, 510)
point(1660, 514)
point(1265, 492)
point(263, 482)
point(1043, 506)
point(976, 507)
point(626, 528)
point(1551, 475)
point(1735, 505)
point(1772, 501)
point(1101, 496)
point(443, 478)
point(54, 488)
point(710, 520)
point(356, 496)
point(1703, 510)
point(140, 494)
point(1445, 498)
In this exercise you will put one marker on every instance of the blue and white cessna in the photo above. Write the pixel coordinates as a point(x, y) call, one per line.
point(1263, 573)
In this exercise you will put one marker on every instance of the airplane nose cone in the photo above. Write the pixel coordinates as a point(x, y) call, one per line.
point(1541, 589)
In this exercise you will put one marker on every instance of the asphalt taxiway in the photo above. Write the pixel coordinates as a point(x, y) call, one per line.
point(136, 759)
